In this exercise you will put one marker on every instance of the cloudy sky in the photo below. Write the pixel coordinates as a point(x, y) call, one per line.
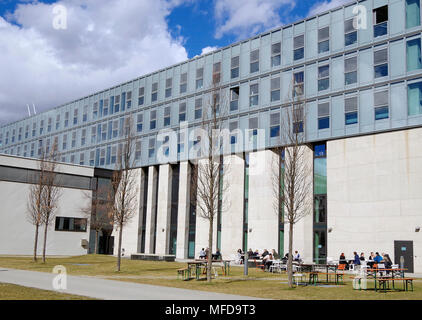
point(106, 42)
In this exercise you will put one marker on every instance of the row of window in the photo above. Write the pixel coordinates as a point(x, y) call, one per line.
point(380, 56)
point(351, 116)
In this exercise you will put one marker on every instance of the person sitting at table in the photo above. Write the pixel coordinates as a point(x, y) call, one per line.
point(285, 258)
point(217, 255)
point(362, 256)
point(265, 253)
point(275, 254)
point(250, 253)
point(371, 262)
point(296, 257)
point(256, 254)
point(387, 262)
point(202, 254)
point(342, 260)
point(239, 256)
point(356, 260)
point(377, 258)
point(267, 261)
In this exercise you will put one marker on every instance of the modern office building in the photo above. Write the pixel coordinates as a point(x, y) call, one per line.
point(358, 71)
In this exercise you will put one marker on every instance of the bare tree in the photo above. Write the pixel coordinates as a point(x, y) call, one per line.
point(291, 173)
point(51, 193)
point(34, 203)
point(96, 212)
point(123, 194)
point(208, 183)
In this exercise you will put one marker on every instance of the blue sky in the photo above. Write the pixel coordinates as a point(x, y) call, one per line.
point(107, 42)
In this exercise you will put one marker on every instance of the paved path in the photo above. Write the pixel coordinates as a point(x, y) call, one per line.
point(109, 289)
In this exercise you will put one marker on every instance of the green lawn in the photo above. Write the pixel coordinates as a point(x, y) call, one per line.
point(257, 284)
point(14, 292)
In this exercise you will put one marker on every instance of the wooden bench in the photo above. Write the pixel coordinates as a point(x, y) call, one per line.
point(184, 272)
point(384, 283)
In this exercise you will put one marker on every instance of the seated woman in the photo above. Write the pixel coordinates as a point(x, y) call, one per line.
point(342, 260)
point(268, 261)
point(239, 256)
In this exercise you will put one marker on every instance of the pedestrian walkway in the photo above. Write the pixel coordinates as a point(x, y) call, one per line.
point(109, 289)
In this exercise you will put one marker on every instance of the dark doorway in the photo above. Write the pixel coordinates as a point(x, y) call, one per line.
point(405, 249)
point(106, 245)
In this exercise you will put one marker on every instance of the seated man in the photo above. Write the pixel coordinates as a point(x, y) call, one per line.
point(296, 257)
point(267, 261)
point(217, 255)
point(202, 254)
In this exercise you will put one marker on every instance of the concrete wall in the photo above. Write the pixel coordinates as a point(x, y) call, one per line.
point(17, 234)
point(232, 215)
point(262, 215)
point(183, 211)
point(164, 209)
point(131, 231)
point(151, 207)
point(374, 193)
point(303, 229)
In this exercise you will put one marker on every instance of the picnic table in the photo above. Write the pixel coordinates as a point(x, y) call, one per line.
point(197, 265)
point(392, 276)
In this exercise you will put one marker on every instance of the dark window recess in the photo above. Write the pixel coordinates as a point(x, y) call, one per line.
point(71, 224)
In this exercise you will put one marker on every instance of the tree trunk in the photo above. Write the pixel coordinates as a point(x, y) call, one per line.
point(209, 265)
point(119, 250)
point(45, 243)
point(36, 243)
point(290, 260)
point(96, 242)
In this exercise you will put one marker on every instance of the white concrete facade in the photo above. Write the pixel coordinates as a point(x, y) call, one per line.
point(17, 234)
point(151, 209)
point(183, 211)
point(163, 209)
point(374, 193)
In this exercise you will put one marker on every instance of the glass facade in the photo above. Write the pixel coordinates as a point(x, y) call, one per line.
point(320, 204)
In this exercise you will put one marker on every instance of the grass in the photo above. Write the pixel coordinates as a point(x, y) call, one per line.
point(257, 284)
point(14, 292)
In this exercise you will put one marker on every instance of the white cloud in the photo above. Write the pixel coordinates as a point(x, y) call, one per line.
point(245, 18)
point(208, 50)
point(320, 7)
point(106, 42)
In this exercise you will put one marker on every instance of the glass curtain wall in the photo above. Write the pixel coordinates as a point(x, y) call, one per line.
point(320, 204)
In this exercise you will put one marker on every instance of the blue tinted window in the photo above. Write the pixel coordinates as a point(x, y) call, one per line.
point(324, 46)
point(299, 54)
point(320, 150)
point(380, 29)
point(351, 118)
point(350, 78)
point(381, 113)
point(324, 123)
point(350, 38)
point(275, 131)
point(381, 70)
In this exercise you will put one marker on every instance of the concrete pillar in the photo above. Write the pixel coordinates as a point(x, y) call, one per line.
point(151, 208)
point(163, 209)
point(183, 211)
point(202, 224)
point(262, 216)
point(233, 198)
point(303, 229)
point(131, 230)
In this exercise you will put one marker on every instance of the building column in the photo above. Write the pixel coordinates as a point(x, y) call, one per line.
point(232, 214)
point(203, 224)
point(130, 235)
point(262, 216)
point(183, 211)
point(151, 209)
point(303, 229)
point(163, 209)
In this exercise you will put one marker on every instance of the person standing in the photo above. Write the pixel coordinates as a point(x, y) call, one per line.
point(356, 260)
